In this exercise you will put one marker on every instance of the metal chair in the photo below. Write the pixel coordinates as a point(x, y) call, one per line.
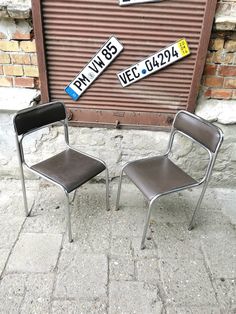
point(158, 176)
point(70, 168)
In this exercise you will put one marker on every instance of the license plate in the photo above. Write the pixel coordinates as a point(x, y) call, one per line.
point(110, 50)
point(129, 2)
point(154, 63)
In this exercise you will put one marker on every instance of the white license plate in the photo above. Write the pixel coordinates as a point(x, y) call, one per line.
point(110, 50)
point(129, 2)
point(154, 63)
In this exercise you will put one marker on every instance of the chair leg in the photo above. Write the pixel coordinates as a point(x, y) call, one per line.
point(68, 218)
point(107, 191)
point(119, 190)
point(191, 225)
point(27, 213)
point(73, 198)
point(146, 226)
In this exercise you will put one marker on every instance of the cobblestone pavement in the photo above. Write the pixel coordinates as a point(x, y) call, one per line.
point(104, 270)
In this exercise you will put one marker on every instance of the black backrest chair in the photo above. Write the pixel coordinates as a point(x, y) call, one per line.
point(157, 176)
point(70, 168)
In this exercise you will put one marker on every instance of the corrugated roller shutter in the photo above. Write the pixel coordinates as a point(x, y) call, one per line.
point(75, 30)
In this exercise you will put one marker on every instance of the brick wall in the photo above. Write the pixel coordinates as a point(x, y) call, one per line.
point(18, 59)
point(219, 78)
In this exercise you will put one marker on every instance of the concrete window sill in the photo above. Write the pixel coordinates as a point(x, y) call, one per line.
point(14, 99)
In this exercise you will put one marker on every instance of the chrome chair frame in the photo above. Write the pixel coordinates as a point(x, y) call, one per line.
point(205, 179)
point(23, 163)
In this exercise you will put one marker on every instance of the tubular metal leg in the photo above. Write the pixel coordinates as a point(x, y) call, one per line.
point(118, 192)
point(27, 213)
point(68, 218)
point(107, 190)
point(146, 225)
point(73, 198)
point(190, 227)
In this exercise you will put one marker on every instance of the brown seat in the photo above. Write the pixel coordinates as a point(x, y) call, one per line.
point(70, 168)
point(159, 176)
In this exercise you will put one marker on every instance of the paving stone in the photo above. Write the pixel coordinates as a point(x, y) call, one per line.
point(81, 276)
point(175, 241)
point(209, 202)
point(79, 307)
point(128, 222)
point(45, 222)
point(171, 209)
point(35, 290)
point(186, 282)
point(193, 310)
point(12, 201)
point(148, 270)
point(133, 297)
point(4, 253)
point(149, 251)
point(121, 268)
point(34, 305)
point(89, 232)
point(208, 217)
point(130, 196)
point(40, 285)
point(13, 285)
point(120, 246)
point(219, 247)
point(35, 252)
point(226, 294)
point(10, 304)
point(9, 229)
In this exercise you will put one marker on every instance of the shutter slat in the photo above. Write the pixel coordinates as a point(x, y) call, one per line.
point(75, 30)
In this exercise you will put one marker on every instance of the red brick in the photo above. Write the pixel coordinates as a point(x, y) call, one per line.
point(21, 58)
point(6, 45)
point(15, 70)
point(34, 60)
point(2, 36)
point(21, 36)
point(230, 83)
point(207, 93)
point(37, 83)
point(213, 81)
point(221, 93)
point(234, 95)
point(31, 71)
point(210, 69)
point(6, 81)
point(223, 57)
point(5, 58)
point(24, 82)
point(28, 46)
point(227, 70)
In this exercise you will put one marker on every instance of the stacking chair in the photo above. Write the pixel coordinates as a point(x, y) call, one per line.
point(158, 176)
point(68, 169)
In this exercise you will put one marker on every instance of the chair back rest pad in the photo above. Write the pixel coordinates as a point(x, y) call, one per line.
point(203, 132)
point(35, 117)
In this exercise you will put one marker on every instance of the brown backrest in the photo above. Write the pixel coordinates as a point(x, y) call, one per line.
point(35, 117)
point(202, 131)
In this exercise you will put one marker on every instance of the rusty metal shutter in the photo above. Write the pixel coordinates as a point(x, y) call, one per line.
point(74, 30)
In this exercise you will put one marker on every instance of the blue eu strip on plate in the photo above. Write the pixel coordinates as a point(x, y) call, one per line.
point(71, 93)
